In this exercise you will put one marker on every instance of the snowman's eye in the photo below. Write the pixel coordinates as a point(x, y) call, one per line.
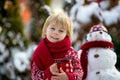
point(98, 72)
point(100, 32)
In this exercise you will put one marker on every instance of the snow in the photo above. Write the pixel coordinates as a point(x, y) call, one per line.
point(85, 12)
point(3, 53)
point(15, 60)
point(47, 8)
point(21, 59)
point(110, 17)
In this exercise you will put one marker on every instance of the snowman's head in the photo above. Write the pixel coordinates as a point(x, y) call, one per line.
point(98, 32)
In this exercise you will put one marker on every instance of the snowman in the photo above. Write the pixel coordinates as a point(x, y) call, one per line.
point(97, 56)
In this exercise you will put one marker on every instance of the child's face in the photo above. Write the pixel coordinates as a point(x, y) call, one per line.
point(55, 32)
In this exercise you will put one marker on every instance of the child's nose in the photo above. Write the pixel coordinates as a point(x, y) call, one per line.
point(55, 32)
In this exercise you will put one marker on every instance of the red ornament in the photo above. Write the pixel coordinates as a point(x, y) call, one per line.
point(65, 64)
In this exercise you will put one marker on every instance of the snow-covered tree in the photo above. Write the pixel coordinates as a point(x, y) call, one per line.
point(12, 35)
point(40, 11)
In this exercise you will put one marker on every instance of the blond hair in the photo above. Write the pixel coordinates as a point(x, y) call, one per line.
point(59, 18)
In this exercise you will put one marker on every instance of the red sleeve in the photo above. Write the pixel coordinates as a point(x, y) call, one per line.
point(37, 74)
point(78, 71)
point(48, 73)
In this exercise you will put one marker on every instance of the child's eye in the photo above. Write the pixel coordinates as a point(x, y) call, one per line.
point(61, 31)
point(52, 28)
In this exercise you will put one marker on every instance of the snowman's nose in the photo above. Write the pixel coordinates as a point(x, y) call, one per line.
point(95, 35)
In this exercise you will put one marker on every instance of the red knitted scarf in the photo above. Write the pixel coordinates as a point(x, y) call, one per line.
point(84, 55)
point(46, 52)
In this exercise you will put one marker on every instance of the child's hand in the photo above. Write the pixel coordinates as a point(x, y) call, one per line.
point(54, 69)
point(60, 76)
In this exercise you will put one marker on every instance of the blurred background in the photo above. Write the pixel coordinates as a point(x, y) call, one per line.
point(21, 22)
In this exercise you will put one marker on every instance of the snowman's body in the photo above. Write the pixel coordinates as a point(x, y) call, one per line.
point(101, 65)
point(100, 58)
point(104, 74)
point(101, 61)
